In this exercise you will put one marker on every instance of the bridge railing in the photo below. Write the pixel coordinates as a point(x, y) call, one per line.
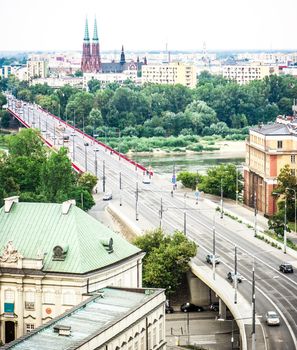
point(123, 156)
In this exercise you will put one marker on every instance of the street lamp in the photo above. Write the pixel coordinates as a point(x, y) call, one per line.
point(86, 156)
point(96, 162)
point(73, 147)
point(292, 189)
point(222, 195)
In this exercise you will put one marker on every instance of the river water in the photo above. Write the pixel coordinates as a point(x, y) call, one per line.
point(163, 164)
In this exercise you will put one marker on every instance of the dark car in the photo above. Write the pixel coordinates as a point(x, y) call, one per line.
point(214, 306)
point(211, 257)
point(188, 307)
point(168, 308)
point(286, 268)
point(231, 275)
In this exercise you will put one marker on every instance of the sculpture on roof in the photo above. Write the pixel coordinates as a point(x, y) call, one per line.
point(10, 254)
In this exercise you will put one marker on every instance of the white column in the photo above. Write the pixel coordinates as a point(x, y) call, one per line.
point(38, 306)
point(20, 311)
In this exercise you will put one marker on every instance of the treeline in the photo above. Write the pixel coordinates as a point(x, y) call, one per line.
point(36, 174)
point(215, 106)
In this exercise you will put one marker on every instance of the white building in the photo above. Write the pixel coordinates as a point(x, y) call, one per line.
point(37, 68)
point(243, 74)
point(59, 82)
point(53, 255)
point(112, 318)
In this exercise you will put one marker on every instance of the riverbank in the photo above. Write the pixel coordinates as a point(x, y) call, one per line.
point(222, 147)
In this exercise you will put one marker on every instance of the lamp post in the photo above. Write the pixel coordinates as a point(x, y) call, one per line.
point(222, 195)
point(236, 186)
point(73, 147)
point(136, 202)
point(214, 247)
point(96, 161)
point(103, 176)
point(292, 189)
point(255, 213)
point(86, 156)
point(285, 227)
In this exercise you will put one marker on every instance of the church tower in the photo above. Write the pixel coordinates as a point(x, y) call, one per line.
point(86, 55)
point(96, 60)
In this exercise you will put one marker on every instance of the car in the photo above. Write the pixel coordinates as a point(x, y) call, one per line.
point(210, 257)
point(188, 307)
point(146, 181)
point(231, 275)
point(107, 196)
point(286, 268)
point(214, 306)
point(272, 318)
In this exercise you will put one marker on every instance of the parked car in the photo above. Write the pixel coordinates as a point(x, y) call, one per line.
point(210, 257)
point(286, 268)
point(214, 306)
point(272, 318)
point(107, 196)
point(168, 308)
point(188, 307)
point(231, 275)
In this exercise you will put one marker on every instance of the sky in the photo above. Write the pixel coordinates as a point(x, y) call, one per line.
point(31, 25)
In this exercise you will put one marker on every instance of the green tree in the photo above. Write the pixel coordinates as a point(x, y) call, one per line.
point(3, 100)
point(4, 119)
point(87, 181)
point(167, 259)
point(94, 85)
point(189, 180)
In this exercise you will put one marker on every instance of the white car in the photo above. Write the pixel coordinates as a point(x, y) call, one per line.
point(272, 318)
point(107, 196)
point(146, 180)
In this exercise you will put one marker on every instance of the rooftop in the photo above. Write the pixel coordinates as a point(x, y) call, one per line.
point(36, 229)
point(273, 129)
point(87, 320)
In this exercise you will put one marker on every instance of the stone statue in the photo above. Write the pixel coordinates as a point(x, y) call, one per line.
point(10, 254)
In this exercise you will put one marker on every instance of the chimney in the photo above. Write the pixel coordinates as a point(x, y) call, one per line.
point(62, 330)
point(67, 205)
point(8, 202)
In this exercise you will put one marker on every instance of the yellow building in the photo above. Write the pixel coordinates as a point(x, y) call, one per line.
point(245, 73)
point(37, 68)
point(268, 149)
point(170, 73)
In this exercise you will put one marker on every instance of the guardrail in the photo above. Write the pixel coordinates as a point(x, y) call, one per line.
point(141, 167)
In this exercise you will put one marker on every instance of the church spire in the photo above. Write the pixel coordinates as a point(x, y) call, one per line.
point(95, 34)
point(86, 37)
point(123, 58)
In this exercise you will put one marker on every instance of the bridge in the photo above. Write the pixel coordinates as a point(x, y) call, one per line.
point(154, 204)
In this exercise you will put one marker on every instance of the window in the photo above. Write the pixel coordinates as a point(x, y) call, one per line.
point(160, 331)
point(154, 336)
point(279, 144)
point(293, 172)
point(29, 327)
point(48, 297)
point(293, 158)
point(68, 298)
point(9, 296)
point(30, 300)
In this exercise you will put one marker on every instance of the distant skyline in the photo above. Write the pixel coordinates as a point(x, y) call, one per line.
point(58, 25)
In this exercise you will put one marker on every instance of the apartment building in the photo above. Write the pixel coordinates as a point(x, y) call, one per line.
point(170, 73)
point(52, 256)
point(243, 74)
point(268, 149)
point(37, 68)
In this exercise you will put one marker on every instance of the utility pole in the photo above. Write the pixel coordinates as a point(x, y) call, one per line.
point(285, 224)
point(236, 186)
point(173, 176)
point(73, 147)
point(103, 178)
point(136, 202)
point(185, 223)
point(254, 310)
point(214, 248)
point(222, 195)
point(120, 188)
point(255, 213)
point(96, 163)
point(161, 213)
point(235, 275)
point(86, 156)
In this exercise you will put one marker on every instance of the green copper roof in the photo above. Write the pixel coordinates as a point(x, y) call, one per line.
point(95, 35)
point(86, 37)
point(36, 228)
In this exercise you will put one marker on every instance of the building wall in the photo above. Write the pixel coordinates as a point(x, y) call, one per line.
point(37, 69)
point(247, 73)
point(39, 298)
point(171, 73)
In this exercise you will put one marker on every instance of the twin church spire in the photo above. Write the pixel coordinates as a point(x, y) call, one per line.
point(91, 61)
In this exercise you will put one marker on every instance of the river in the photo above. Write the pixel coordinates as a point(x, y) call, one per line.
point(163, 164)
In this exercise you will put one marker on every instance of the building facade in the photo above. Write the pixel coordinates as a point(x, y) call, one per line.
point(112, 318)
point(170, 73)
point(243, 74)
point(268, 149)
point(54, 254)
point(37, 69)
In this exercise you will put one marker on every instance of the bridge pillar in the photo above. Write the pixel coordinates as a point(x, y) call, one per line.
point(222, 309)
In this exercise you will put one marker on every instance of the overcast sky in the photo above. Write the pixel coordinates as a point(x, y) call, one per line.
point(149, 25)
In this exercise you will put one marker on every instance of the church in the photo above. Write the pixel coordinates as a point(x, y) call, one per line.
point(91, 59)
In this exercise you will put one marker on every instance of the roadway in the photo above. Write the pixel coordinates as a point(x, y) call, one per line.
point(272, 293)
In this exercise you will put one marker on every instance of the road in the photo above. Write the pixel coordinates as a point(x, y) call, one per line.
point(154, 202)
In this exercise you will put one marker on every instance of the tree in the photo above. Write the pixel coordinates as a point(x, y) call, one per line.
point(167, 259)
point(4, 119)
point(94, 85)
point(58, 178)
point(87, 181)
point(277, 224)
point(3, 100)
point(189, 180)
point(78, 73)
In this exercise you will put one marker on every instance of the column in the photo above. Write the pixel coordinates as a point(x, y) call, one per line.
point(222, 309)
point(20, 311)
point(38, 305)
